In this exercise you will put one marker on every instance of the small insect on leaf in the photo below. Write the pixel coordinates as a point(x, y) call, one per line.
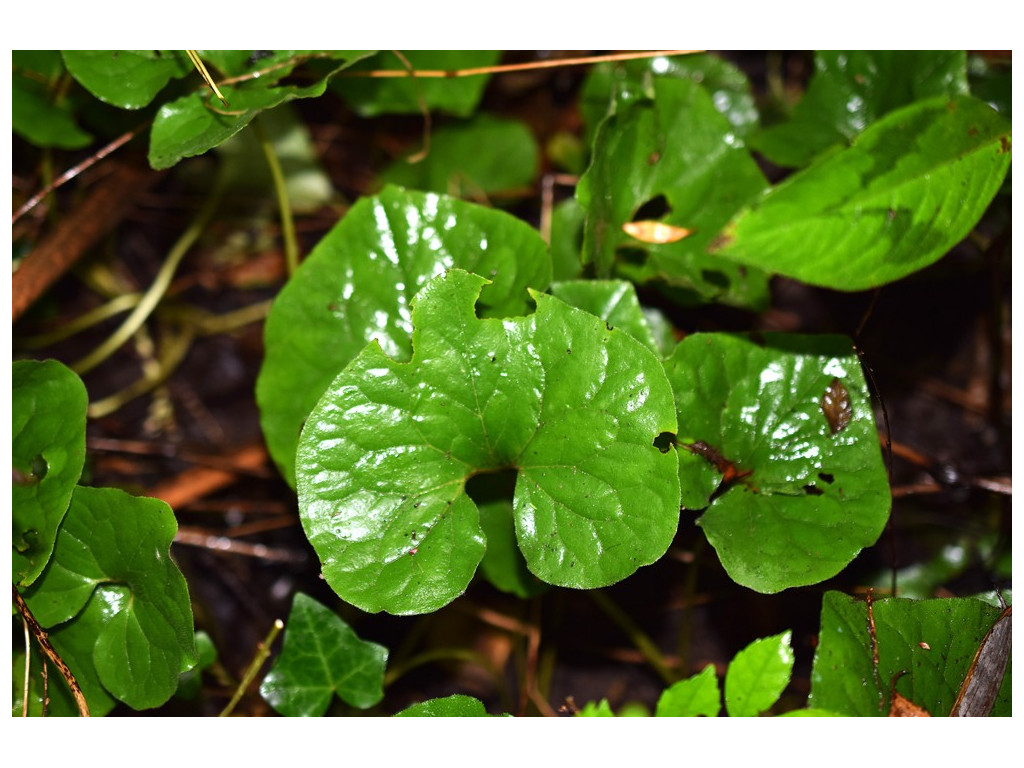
point(655, 232)
point(836, 406)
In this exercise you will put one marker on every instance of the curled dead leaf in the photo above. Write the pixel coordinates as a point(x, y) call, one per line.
point(655, 232)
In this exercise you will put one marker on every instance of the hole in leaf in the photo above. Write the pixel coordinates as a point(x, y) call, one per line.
point(653, 209)
point(633, 256)
point(715, 278)
point(492, 486)
point(812, 490)
point(664, 441)
point(827, 477)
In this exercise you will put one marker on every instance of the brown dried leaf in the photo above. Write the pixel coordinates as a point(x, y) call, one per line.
point(985, 676)
point(655, 232)
point(836, 406)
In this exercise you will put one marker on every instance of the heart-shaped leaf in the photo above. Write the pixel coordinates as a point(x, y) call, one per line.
point(909, 188)
point(117, 604)
point(48, 407)
point(796, 501)
point(574, 406)
point(321, 655)
point(357, 284)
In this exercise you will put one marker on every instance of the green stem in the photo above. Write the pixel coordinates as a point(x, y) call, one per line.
point(156, 291)
point(250, 674)
point(83, 322)
point(643, 643)
point(291, 245)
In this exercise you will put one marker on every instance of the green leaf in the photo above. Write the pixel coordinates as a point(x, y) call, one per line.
point(813, 497)
point(567, 239)
point(575, 407)
point(449, 706)
point(357, 284)
point(596, 709)
point(852, 89)
point(843, 678)
point(610, 86)
point(456, 166)
point(457, 96)
point(322, 656)
point(126, 79)
point(908, 189)
point(614, 301)
point(677, 161)
point(48, 407)
point(198, 122)
point(694, 697)
point(757, 675)
point(116, 603)
point(503, 564)
point(38, 119)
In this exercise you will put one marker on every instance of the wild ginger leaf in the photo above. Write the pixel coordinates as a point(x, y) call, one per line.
point(572, 405)
point(790, 502)
point(357, 284)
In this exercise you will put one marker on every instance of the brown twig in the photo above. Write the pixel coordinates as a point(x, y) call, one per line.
point(101, 210)
point(44, 644)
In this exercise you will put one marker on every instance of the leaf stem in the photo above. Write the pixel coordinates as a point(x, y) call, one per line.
point(291, 245)
point(156, 291)
point(639, 638)
point(262, 653)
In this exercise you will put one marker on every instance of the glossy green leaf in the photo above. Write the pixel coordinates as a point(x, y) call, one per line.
point(356, 286)
point(573, 406)
point(843, 677)
point(612, 85)
point(813, 498)
point(675, 160)
point(757, 675)
point(322, 656)
point(48, 407)
point(126, 79)
point(909, 188)
point(116, 604)
point(457, 96)
point(693, 697)
point(449, 706)
point(455, 164)
point(852, 89)
point(503, 564)
point(614, 301)
point(198, 122)
point(38, 119)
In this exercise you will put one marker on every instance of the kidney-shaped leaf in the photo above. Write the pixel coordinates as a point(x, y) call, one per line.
point(357, 284)
point(48, 406)
point(932, 641)
point(786, 422)
point(908, 189)
point(119, 598)
point(573, 406)
point(321, 656)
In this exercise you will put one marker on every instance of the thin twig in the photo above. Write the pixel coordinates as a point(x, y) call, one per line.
point(47, 648)
point(28, 658)
point(194, 537)
point(642, 642)
point(262, 654)
point(424, 111)
point(291, 245)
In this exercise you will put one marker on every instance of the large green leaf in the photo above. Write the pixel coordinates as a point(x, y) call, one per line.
point(678, 155)
point(909, 188)
point(407, 95)
point(695, 696)
point(357, 284)
point(126, 79)
point(195, 123)
point(852, 89)
point(932, 641)
point(322, 656)
point(456, 166)
point(116, 604)
point(815, 494)
point(758, 675)
point(574, 406)
point(48, 407)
